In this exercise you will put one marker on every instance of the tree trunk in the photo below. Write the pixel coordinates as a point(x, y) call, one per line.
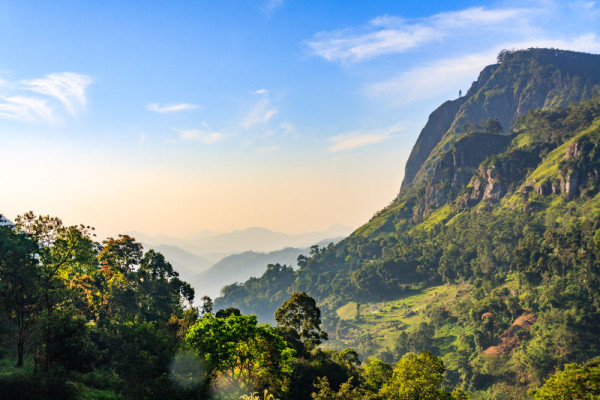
point(21, 343)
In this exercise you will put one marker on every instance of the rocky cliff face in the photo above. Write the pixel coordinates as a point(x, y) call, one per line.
point(579, 168)
point(438, 123)
point(535, 78)
point(456, 166)
point(491, 182)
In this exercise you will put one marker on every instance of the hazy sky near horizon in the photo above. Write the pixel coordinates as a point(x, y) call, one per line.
point(173, 117)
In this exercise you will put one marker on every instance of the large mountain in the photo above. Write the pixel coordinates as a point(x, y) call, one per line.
point(521, 81)
point(489, 255)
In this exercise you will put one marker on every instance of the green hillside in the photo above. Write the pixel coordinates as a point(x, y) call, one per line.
point(490, 258)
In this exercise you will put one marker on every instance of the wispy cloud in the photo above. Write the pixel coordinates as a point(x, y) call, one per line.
point(68, 87)
point(260, 113)
point(169, 108)
point(269, 149)
point(590, 8)
point(286, 128)
point(52, 93)
point(22, 108)
point(388, 34)
point(269, 6)
point(431, 80)
point(261, 91)
point(142, 138)
point(354, 140)
point(199, 135)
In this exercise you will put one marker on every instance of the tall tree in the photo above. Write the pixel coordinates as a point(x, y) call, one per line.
point(18, 280)
point(301, 313)
point(574, 382)
point(62, 251)
point(416, 377)
point(247, 355)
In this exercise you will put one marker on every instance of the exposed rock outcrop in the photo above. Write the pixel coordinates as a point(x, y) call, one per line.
point(438, 123)
point(492, 181)
point(580, 166)
point(455, 169)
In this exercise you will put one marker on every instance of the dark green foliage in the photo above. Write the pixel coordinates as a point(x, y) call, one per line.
point(272, 286)
point(227, 312)
point(64, 338)
point(26, 386)
point(416, 341)
point(416, 377)
point(18, 281)
point(574, 382)
point(251, 356)
point(493, 126)
point(301, 313)
point(375, 374)
point(140, 354)
point(86, 320)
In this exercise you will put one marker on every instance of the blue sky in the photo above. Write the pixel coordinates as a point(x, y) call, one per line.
point(293, 115)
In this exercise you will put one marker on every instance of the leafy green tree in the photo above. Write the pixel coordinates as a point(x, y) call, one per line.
point(141, 354)
point(575, 382)
point(347, 357)
point(66, 339)
point(247, 355)
point(301, 313)
point(155, 266)
point(347, 391)
point(18, 276)
point(227, 312)
point(375, 373)
point(207, 305)
point(493, 126)
point(416, 377)
point(63, 251)
point(120, 256)
point(159, 290)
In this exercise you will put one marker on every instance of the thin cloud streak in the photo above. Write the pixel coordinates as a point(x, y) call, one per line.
point(270, 6)
point(432, 80)
point(169, 108)
point(261, 113)
point(21, 108)
point(354, 140)
point(198, 135)
point(60, 90)
point(68, 87)
point(269, 149)
point(388, 35)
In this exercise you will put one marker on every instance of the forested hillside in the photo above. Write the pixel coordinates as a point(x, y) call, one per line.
point(489, 255)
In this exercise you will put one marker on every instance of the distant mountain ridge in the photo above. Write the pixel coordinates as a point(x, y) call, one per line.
point(256, 239)
point(242, 266)
point(210, 261)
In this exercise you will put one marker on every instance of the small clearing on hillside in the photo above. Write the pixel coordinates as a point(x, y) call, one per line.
point(511, 337)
